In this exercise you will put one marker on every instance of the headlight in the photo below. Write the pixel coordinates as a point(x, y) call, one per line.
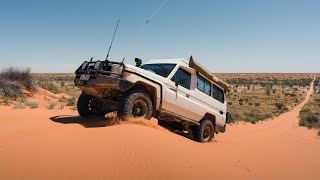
point(97, 64)
point(84, 65)
point(116, 69)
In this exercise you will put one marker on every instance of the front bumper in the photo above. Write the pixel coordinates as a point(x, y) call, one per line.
point(101, 85)
point(99, 78)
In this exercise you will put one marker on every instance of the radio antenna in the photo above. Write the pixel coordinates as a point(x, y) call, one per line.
point(149, 19)
point(114, 33)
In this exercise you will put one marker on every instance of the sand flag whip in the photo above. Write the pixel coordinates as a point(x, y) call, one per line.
point(155, 12)
point(141, 29)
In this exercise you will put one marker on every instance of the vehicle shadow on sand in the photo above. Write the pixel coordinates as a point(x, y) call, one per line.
point(90, 122)
point(98, 122)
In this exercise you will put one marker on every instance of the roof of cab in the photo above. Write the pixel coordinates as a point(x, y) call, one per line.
point(169, 61)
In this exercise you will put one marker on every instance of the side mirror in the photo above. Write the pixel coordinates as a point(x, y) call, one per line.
point(138, 62)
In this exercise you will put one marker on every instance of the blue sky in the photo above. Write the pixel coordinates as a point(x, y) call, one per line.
point(223, 35)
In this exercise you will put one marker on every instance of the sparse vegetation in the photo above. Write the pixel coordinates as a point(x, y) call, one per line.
point(71, 101)
point(32, 104)
point(309, 119)
point(310, 113)
point(51, 105)
point(19, 105)
point(256, 97)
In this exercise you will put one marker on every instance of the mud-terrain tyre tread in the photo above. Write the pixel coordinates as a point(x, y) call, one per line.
point(198, 131)
point(126, 104)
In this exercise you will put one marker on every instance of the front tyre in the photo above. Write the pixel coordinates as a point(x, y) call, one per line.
point(137, 104)
point(204, 132)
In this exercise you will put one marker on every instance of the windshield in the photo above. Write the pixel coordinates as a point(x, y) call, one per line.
point(161, 69)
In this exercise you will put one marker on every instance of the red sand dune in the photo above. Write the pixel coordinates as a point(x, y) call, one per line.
point(34, 144)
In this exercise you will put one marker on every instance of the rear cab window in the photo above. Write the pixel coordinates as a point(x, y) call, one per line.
point(218, 93)
point(204, 85)
point(210, 89)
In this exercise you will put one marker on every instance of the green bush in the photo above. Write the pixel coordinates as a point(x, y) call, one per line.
point(309, 119)
point(32, 104)
point(281, 106)
point(51, 105)
point(255, 115)
point(50, 87)
point(293, 95)
point(257, 104)
point(230, 103)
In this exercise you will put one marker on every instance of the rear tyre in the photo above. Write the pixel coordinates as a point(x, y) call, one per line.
point(87, 106)
point(137, 104)
point(204, 132)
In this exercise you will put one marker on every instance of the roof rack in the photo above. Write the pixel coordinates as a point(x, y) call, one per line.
point(196, 66)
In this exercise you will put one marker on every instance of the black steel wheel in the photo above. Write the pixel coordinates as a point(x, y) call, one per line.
point(136, 104)
point(204, 132)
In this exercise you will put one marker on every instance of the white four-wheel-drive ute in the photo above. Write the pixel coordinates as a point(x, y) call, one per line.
point(180, 93)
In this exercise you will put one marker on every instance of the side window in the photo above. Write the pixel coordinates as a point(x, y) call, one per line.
point(218, 94)
point(204, 85)
point(184, 77)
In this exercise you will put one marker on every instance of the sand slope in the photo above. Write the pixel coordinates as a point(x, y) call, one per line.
point(56, 144)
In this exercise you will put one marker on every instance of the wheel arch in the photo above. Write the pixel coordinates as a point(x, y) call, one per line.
point(210, 117)
point(150, 90)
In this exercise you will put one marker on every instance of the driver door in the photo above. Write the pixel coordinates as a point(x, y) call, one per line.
point(176, 99)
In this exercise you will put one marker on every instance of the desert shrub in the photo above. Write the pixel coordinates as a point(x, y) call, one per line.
point(6, 102)
point(51, 105)
point(309, 119)
point(19, 105)
point(9, 89)
point(13, 79)
point(255, 115)
point(293, 95)
point(71, 101)
point(21, 75)
point(240, 103)
point(257, 104)
point(235, 117)
point(230, 103)
point(241, 100)
point(250, 103)
point(32, 104)
point(50, 87)
point(281, 106)
point(62, 99)
point(274, 91)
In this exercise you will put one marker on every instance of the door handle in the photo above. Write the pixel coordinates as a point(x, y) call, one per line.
point(173, 89)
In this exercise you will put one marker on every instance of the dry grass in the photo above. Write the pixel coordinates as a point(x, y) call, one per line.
point(13, 80)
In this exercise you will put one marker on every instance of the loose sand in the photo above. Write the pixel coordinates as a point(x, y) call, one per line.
point(57, 144)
